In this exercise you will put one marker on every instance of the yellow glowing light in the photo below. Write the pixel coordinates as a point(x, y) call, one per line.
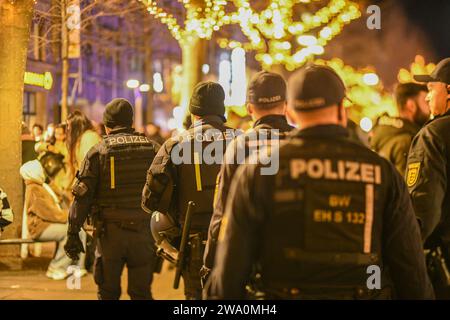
point(44, 80)
point(276, 23)
point(371, 79)
point(286, 45)
point(267, 59)
point(326, 33)
point(417, 67)
point(205, 68)
point(318, 50)
point(144, 87)
point(279, 57)
point(299, 57)
point(133, 83)
point(268, 14)
point(366, 124)
point(158, 85)
point(307, 40)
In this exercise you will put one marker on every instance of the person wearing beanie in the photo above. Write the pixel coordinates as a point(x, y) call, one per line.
point(332, 219)
point(108, 190)
point(184, 170)
point(266, 103)
point(427, 172)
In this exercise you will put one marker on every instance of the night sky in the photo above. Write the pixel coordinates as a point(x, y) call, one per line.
point(433, 17)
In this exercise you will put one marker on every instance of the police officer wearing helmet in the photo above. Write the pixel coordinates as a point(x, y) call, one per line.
point(185, 170)
point(333, 209)
point(428, 169)
point(266, 103)
point(110, 181)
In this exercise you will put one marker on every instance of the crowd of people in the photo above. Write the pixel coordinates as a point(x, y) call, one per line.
point(308, 230)
point(51, 157)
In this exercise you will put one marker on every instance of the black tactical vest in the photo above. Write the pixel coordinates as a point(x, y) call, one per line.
point(202, 149)
point(124, 160)
point(259, 138)
point(325, 225)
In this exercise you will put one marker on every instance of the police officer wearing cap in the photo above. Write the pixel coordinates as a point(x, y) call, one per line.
point(111, 180)
point(428, 169)
point(332, 216)
point(266, 103)
point(185, 170)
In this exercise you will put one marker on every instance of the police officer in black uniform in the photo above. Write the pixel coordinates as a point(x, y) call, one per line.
point(110, 182)
point(428, 169)
point(392, 136)
point(334, 222)
point(266, 103)
point(185, 169)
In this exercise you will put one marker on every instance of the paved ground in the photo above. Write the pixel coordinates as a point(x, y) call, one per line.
point(32, 284)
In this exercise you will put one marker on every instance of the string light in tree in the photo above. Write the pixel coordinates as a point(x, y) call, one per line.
point(278, 39)
point(367, 99)
point(417, 67)
point(201, 21)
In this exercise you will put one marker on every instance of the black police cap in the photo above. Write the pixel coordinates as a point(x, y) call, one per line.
point(314, 87)
point(266, 89)
point(440, 74)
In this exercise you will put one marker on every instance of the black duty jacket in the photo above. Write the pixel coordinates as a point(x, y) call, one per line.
point(257, 210)
point(427, 177)
point(228, 169)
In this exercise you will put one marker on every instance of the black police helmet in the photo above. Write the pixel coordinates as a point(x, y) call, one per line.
point(163, 227)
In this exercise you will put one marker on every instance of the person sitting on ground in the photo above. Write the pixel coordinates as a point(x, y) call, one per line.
point(47, 221)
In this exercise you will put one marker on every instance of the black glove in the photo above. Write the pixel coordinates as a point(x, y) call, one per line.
point(73, 246)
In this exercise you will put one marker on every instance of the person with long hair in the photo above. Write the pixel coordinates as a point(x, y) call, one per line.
point(81, 137)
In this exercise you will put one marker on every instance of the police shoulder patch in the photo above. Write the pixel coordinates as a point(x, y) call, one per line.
point(412, 174)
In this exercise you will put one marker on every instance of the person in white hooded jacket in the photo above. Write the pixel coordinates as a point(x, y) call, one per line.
point(47, 221)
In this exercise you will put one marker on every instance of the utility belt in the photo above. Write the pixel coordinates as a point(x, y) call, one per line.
point(278, 291)
point(100, 225)
point(131, 225)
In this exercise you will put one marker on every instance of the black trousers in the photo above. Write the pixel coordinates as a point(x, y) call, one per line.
point(121, 244)
point(191, 271)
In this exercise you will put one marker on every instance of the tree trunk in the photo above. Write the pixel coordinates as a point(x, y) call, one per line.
point(192, 49)
point(65, 63)
point(15, 22)
point(192, 59)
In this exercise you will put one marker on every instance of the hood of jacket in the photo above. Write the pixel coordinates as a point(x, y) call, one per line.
point(32, 171)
